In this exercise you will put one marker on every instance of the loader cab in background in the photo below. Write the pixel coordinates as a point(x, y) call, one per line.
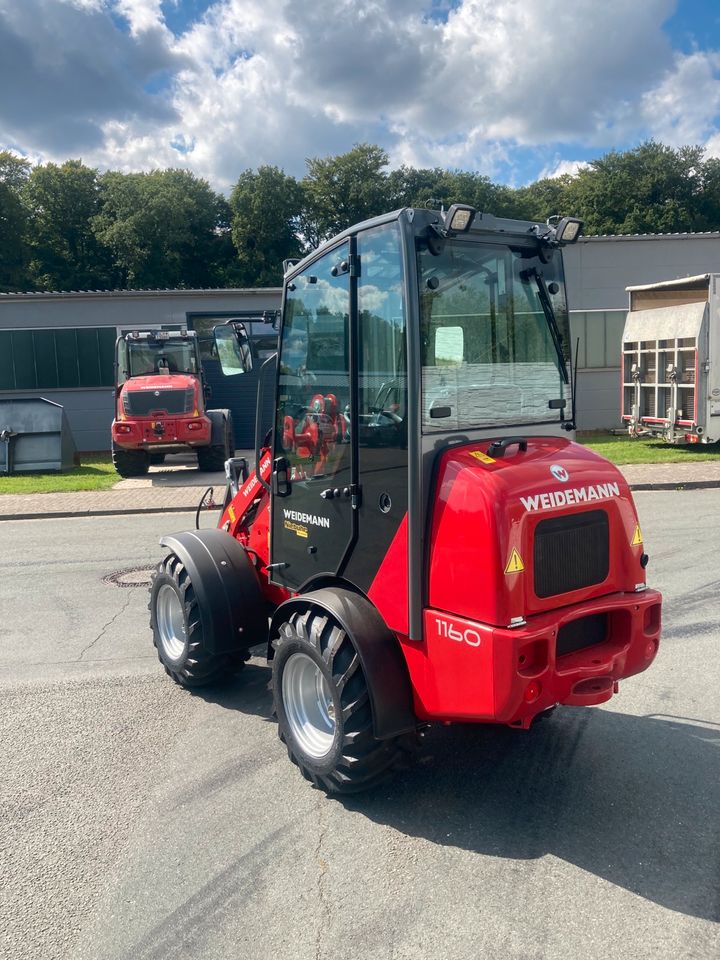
point(407, 334)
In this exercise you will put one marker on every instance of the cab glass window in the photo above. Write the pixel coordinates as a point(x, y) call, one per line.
point(494, 333)
point(312, 426)
point(382, 400)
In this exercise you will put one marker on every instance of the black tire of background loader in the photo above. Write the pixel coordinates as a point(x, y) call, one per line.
point(157, 458)
point(212, 459)
point(196, 667)
point(357, 760)
point(130, 463)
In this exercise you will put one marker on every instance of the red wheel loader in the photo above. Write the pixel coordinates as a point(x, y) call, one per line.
point(421, 539)
point(161, 397)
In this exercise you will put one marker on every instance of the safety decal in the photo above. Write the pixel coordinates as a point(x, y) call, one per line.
point(231, 511)
point(515, 564)
point(296, 528)
point(637, 537)
point(482, 457)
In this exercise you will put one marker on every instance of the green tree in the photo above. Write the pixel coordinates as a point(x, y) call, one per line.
point(433, 187)
point(14, 172)
point(343, 190)
point(265, 209)
point(61, 202)
point(165, 229)
point(545, 198)
point(650, 189)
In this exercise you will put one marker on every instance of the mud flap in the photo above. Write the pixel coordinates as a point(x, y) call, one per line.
point(232, 609)
point(382, 660)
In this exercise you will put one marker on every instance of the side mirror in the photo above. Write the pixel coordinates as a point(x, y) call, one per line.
point(233, 349)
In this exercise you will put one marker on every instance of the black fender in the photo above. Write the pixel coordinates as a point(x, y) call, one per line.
point(231, 604)
point(382, 660)
point(217, 423)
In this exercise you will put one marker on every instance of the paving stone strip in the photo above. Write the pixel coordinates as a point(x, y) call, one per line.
point(149, 498)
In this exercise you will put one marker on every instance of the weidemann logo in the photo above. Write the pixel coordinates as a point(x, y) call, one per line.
point(559, 498)
point(310, 518)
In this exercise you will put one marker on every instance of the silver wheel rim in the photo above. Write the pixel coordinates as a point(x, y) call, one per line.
point(170, 618)
point(308, 705)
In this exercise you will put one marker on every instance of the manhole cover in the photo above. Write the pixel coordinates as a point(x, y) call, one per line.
point(134, 577)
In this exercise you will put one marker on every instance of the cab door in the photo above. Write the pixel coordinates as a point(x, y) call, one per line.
point(313, 522)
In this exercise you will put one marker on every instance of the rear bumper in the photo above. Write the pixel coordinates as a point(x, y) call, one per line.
point(167, 432)
point(465, 671)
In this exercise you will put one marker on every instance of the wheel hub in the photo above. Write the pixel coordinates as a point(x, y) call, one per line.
point(170, 618)
point(308, 705)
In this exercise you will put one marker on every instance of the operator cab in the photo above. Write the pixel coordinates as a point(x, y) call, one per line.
point(146, 353)
point(400, 337)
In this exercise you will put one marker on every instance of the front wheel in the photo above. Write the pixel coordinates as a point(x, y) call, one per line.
point(213, 458)
point(130, 463)
point(178, 633)
point(322, 705)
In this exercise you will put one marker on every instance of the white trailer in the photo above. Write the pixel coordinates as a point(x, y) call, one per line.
point(671, 360)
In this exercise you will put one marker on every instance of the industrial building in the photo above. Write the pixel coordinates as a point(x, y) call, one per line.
point(60, 345)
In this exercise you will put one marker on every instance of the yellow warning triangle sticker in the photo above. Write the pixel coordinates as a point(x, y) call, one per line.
point(637, 537)
point(515, 564)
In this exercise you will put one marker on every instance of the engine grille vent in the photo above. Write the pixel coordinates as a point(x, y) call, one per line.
point(140, 403)
point(571, 552)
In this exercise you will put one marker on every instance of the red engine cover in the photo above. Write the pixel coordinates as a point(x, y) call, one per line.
point(485, 516)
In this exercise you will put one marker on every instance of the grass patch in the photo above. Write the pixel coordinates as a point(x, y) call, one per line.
point(629, 450)
point(96, 473)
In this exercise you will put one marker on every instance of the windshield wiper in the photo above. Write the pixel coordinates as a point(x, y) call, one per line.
point(544, 298)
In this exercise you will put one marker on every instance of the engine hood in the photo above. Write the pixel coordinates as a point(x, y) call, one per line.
point(530, 531)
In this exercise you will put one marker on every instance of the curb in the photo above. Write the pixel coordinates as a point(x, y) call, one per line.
point(119, 512)
point(682, 485)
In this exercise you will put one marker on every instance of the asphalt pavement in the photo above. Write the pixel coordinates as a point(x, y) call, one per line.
point(140, 821)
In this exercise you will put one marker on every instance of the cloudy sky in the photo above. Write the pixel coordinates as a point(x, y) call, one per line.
point(511, 88)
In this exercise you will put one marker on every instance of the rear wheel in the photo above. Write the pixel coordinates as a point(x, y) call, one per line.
point(213, 458)
point(323, 707)
point(157, 458)
point(178, 633)
point(130, 463)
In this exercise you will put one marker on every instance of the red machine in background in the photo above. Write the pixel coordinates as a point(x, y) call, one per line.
point(161, 399)
point(426, 540)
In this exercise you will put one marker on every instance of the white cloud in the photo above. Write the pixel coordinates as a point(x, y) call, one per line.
point(269, 81)
point(561, 168)
point(141, 15)
point(683, 108)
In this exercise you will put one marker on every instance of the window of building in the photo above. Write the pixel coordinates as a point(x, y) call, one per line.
point(57, 359)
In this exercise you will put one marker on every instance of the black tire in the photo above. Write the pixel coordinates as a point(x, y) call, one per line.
point(130, 463)
point(157, 458)
point(355, 760)
point(212, 459)
point(181, 650)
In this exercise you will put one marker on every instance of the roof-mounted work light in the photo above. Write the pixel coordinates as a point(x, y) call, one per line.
point(568, 230)
point(459, 218)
